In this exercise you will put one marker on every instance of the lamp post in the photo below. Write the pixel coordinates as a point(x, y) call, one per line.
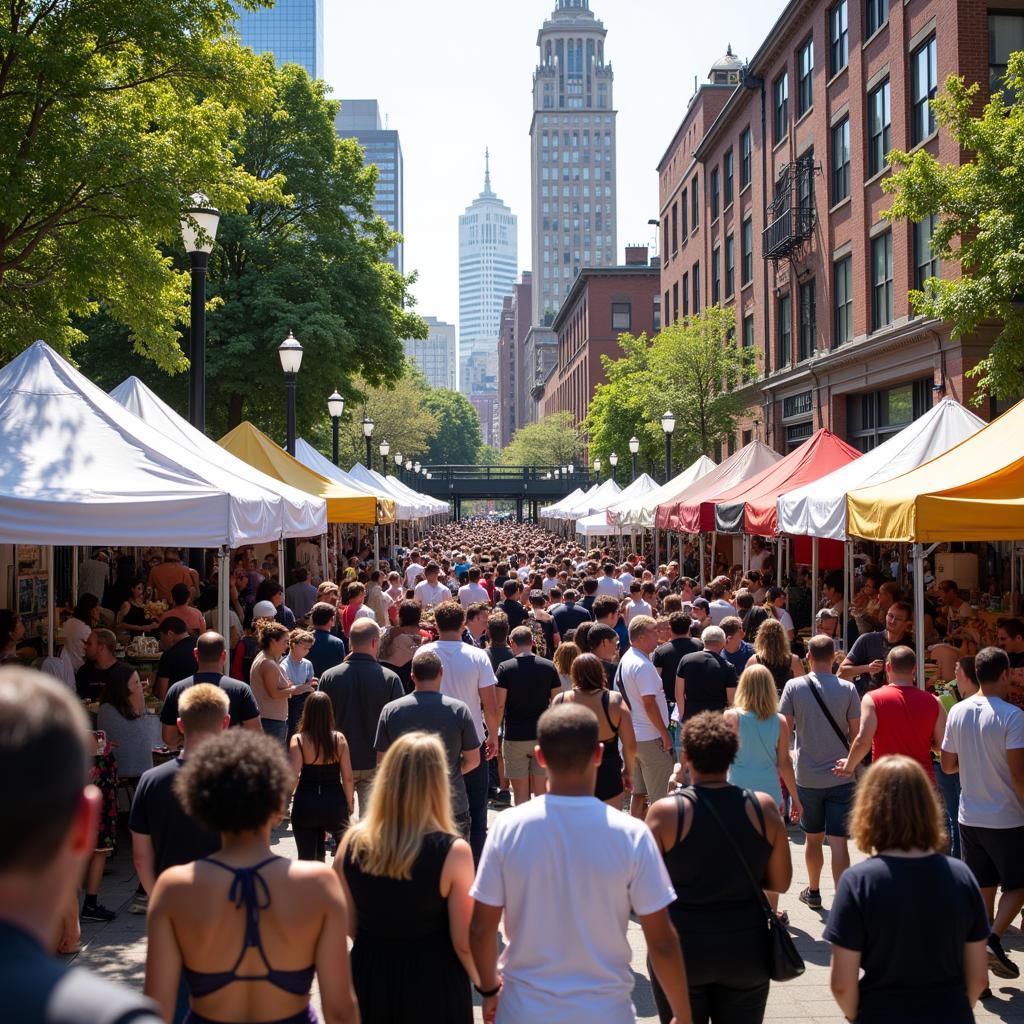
point(398, 465)
point(384, 448)
point(368, 433)
point(634, 448)
point(416, 468)
point(290, 354)
point(408, 470)
point(668, 424)
point(613, 460)
point(198, 231)
point(335, 406)
point(597, 468)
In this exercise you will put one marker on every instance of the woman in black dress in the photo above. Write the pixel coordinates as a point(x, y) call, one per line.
point(407, 876)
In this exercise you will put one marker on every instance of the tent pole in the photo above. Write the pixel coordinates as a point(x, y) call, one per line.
point(224, 593)
point(51, 626)
point(782, 565)
point(746, 553)
point(74, 575)
point(918, 554)
point(714, 543)
point(847, 587)
point(376, 546)
point(1013, 574)
point(700, 545)
point(814, 579)
point(280, 561)
point(657, 547)
point(323, 558)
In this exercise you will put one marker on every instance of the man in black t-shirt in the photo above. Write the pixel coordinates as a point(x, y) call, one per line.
point(526, 686)
point(864, 666)
point(100, 665)
point(705, 680)
point(511, 606)
point(178, 659)
point(667, 656)
point(242, 707)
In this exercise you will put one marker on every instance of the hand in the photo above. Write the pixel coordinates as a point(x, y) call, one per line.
point(490, 1008)
point(841, 769)
point(490, 749)
point(796, 811)
point(666, 743)
point(627, 781)
point(876, 666)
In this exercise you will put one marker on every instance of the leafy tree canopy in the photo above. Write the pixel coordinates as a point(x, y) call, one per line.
point(458, 438)
point(551, 441)
point(488, 455)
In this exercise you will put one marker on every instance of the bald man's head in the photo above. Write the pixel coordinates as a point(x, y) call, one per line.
point(364, 634)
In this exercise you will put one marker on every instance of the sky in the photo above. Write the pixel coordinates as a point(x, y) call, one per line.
point(455, 76)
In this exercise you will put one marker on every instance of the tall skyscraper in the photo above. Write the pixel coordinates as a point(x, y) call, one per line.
point(360, 119)
point(435, 354)
point(292, 30)
point(572, 163)
point(487, 273)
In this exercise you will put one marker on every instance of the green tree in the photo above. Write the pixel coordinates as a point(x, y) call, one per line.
point(111, 114)
point(458, 438)
point(980, 206)
point(488, 455)
point(551, 441)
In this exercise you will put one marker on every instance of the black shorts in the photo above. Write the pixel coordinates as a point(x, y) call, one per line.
point(994, 855)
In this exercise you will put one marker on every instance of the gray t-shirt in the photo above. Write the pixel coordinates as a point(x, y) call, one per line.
point(449, 718)
point(817, 745)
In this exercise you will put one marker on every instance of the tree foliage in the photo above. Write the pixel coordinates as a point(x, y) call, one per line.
point(980, 206)
point(692, 368)
point(551, 441)
point(488, 455)
point(111, 114)
point(458, 437)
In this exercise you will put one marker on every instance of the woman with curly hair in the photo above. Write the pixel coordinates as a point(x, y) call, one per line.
point(247, 930)
point(771, 649)
point(270, 684)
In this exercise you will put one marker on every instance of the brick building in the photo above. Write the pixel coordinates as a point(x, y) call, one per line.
point(514, 381)
point(603, 303)
point(771, 201)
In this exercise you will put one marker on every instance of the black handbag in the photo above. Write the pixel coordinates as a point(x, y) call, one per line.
point(784, 960)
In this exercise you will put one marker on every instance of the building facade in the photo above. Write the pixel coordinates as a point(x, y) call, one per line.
point(360, 120)
point(513, 388)
point(435, 354)
point(292, 30)
point(572, 155)
point(488, 261)
point(772, 203)
point(603, 303)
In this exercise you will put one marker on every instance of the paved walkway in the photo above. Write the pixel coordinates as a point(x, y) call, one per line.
point(118, 949)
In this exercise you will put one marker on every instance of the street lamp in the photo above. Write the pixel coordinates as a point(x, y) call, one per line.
point(368, 433)
point(613, 459)
point(408, 469)
point(398, 465)
point(572, 469)
point(384, 448)
point(668, 424)
point(416, 468)
point(290, 354)
point(597, 468)
point(198, 231)
point(634, 447)
point(335, 406)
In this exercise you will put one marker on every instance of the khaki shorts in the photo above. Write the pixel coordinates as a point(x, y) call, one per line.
point(520, 759)
point(653, 769)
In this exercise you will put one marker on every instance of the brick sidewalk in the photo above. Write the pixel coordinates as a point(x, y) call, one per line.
point(118, 950)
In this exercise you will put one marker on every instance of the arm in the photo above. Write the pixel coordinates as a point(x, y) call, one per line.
point(975, 969)
point(628, 738)
point(489, 702)
point(483, 943)
point(667, 961)
point(844, 978)
point(862, 744)
point(347, 783)
point(650, 708)
point(295, 759)
point(501, 696)
point(337, 997)
point(456, 881)
point(681, 696)
point(940, 728)
point(144, 860)
point(1015, 759)
point(730, 695)
point(170, 735)
point(161, 686)
point(779, 871)
point(470, 760)
point(253, 724)
point(785, 765)
point(163, 957)
point(950, 762)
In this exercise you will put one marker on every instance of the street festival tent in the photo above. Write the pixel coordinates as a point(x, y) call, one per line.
point(640, 511)
point(371, 477)
point(818, 509)
point(344, 504)
point(598, 524)
point(548, 511)
point(436, 505)
point(693, 510)
point(302, 514)
point(597, 499)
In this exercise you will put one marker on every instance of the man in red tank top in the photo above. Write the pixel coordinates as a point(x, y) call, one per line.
point(898, 718)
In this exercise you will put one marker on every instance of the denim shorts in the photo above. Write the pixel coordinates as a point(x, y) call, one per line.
point(826, 810)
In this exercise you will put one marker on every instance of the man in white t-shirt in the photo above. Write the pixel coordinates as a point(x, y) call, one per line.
point(430, 591)
point(472, 592)
point(777, 596)
point(469, 677)
point(721, 604)
point(607, 584)
point(636, 604)
point(567, 959)
point(644, 692)
point(414, 571)
point(625, 576)
point(984, 741)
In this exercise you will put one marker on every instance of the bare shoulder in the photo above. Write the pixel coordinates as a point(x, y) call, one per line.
point(313, 878)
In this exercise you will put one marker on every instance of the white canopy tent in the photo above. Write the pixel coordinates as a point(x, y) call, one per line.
point(408, 507)
point(601, 524)
point(819, 508)
point(312, 459)
point(302, 515)
point(597, 499)
point(548, 511)
point(436, 505)
point(637, 511)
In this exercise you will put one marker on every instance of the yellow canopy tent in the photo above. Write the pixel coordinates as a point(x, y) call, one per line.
point(974, 491)
point(344, 504)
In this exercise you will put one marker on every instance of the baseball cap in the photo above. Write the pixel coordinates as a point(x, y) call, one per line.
point(825, 613)
point(264, 610)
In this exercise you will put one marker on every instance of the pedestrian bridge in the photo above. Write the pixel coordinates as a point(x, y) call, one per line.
point(530, 487)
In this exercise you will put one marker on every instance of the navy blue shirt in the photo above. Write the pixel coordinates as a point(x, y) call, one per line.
point(739, 658)
point(327, 651)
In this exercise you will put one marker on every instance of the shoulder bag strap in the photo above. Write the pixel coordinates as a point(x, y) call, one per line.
point(618, 685)
point(828, 714)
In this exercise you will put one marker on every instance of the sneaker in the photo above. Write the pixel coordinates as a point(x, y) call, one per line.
point(97, 913)
point(140, 904)
point(503, 798)
point(812, 897)
point(998, 962)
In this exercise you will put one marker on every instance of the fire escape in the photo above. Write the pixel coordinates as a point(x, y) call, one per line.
point(790, 217)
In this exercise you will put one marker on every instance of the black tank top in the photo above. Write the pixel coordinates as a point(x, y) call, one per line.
point(780, 673)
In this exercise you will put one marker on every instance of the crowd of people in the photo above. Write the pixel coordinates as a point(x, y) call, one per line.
point(500, 732)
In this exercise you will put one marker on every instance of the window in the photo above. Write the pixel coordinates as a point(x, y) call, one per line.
point(656, 313)
point(1005, 36)
point(881, 281)
point(797, 405)
point(877, 14)
point(780, 106)
point(714, 193)
point(730, 265)
point(694, 204)
point(805, 69)
point(923, 80)
point(675, 302)
point(925, 263)
point(696, 288)
point(838, 37)
point(807, 342)
point(621, 316)
point(746, 147)
point(682, 216)
point(675, 229)
point(667, 305)
point(748, 344)
point(797, 433)
point(841, 161)
point(783, 331)
point(805, 183)
point(716, 275)
point(686, 295)
point(879, 125)
point(876, 416)
point(747, 246)
point(842, 291)
point(727, 176)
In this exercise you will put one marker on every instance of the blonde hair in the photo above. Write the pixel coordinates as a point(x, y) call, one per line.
point(565, 654)
point(896, 808)
point(771, 645)
point(755, 692)
point(202, 708)
point(410, 798)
